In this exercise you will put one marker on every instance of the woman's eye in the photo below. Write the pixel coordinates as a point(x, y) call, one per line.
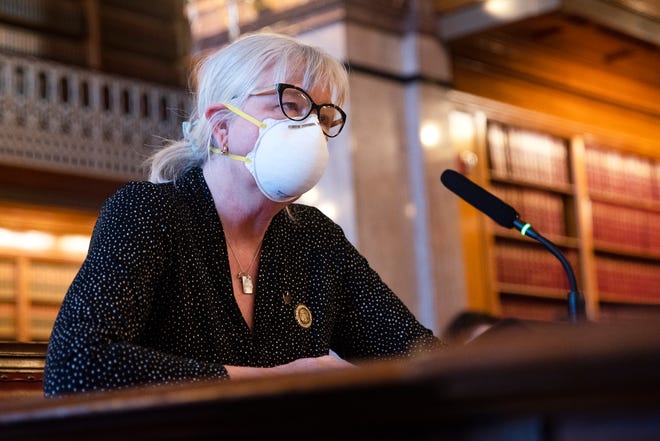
point(292, 109)
point(291, 106)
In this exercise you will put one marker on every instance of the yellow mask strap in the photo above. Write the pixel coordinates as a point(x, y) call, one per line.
point(230, 155)
point(244, 115)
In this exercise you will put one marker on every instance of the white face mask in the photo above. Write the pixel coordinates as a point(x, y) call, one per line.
point(288, 158)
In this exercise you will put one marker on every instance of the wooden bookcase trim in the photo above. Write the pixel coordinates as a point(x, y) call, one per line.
point(626, 252)
point(563, 189)
point(560, 241)
point(630, 202)
point(532, 291)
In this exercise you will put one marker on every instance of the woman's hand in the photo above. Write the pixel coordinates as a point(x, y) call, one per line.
point(301, 365)
point(324, 362)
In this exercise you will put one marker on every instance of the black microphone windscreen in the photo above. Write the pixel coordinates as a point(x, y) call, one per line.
point(495, 208)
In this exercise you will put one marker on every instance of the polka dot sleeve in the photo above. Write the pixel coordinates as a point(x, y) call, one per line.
point(95, 343)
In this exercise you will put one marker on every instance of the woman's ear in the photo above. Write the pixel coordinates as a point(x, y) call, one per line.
point(212, 110)
point(218, 128)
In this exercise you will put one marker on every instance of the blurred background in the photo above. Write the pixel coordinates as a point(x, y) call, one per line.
point(553, 105)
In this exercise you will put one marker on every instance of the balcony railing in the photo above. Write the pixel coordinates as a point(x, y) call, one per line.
point(82, 122)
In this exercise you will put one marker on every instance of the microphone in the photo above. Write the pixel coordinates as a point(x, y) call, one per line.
point(506, 216)
point(489, 204)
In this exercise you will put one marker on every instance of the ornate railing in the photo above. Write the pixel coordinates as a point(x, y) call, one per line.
point(78, 121)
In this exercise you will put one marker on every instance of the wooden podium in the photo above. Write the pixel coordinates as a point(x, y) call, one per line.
point(545, 383)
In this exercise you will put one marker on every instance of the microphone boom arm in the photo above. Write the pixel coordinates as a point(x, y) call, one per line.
point(575, 301)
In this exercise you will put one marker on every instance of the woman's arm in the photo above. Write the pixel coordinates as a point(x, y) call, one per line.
point(95, 343)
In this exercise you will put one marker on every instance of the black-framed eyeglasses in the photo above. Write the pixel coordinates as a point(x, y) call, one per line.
point(296, 104)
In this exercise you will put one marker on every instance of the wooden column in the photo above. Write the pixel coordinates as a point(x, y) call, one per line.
point(93, 33)
point(22, 281)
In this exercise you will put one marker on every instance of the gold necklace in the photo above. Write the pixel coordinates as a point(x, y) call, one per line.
point(245, 278)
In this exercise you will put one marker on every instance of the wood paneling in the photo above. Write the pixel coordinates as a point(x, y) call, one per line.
point(570, 67)
point(524, 382)
point(153, 36)
point(485, 81)
point(30, 186)
point(585, 72)
point(21, 370)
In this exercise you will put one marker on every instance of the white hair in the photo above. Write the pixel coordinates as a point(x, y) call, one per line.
point(231, 73)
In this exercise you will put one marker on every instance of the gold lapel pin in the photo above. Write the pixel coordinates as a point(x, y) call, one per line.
point(303, 316)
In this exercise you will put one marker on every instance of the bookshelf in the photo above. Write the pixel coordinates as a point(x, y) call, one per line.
point(41, 250)
point(31, 290)
point(624, 189)
point(598, 203)
point(531, 171)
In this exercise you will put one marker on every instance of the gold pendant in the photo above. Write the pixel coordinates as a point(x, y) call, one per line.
point(303, 316)
point(246, 282)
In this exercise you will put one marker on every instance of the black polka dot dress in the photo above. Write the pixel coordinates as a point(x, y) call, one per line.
point(153, 300)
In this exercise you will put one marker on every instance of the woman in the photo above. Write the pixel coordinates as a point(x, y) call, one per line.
point(209, 270)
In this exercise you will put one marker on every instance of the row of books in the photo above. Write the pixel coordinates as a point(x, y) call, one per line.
point(625, 227)
point(615, 311)
point(49, 281)
point(7, 321)
point(545, 211)
point(533, 308)
point(522, 264)
point(7, 282)
point(615, 173)
point(530, 156)
point(42, 319)
point(623, 280)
